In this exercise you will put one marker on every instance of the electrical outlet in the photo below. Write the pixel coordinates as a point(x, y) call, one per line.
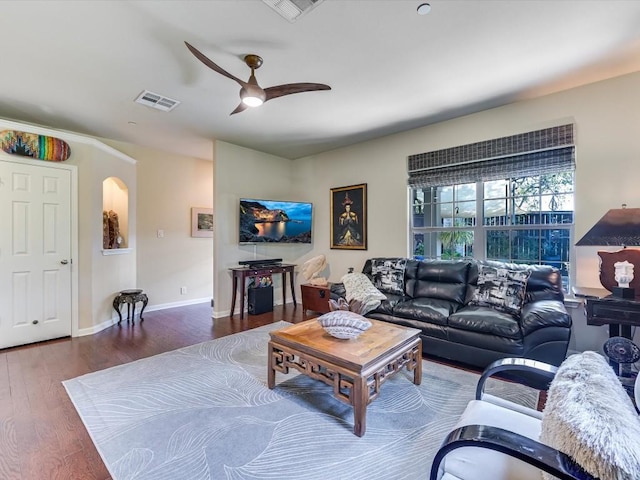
point(183, 290)
point(160, 233)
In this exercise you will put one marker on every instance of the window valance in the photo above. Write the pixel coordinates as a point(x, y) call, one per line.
point(546, 151)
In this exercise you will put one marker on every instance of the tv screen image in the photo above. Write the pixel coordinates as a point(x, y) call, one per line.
point(272, 221)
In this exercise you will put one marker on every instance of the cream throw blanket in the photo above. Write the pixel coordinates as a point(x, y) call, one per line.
point(359, 288)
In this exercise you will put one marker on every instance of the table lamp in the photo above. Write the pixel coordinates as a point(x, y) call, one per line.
point(618, 227)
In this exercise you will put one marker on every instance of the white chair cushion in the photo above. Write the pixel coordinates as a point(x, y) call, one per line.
point(471, 463)
point(501, 402)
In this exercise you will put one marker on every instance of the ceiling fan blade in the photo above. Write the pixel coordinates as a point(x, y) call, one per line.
point(200, 56)
point(291, 88)
point(240, 108)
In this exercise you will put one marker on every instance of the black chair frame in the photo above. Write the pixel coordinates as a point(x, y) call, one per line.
point(509, 443)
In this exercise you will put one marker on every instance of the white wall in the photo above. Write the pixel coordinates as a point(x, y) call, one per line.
point(99, 277)
point(109, 273)
point(382, 167)
point(165, 186)
point(245, 173)
point(606, 117)
point(168, 185)
point(162, 188)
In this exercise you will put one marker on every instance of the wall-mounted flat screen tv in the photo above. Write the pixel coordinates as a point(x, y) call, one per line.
point(272, 221)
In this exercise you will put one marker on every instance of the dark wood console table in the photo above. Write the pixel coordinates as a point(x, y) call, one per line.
point(619, 313)
point(241, 273)
point(602, 308)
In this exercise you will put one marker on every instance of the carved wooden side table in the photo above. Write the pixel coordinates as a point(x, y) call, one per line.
point(130, 297)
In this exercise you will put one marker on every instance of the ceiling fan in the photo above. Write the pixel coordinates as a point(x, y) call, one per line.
point(251, 94)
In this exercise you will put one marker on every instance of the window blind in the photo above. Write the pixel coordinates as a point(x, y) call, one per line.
point(546, 151)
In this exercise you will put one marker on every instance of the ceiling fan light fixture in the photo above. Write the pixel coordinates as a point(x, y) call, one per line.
point(252, 96)
point(252, 101)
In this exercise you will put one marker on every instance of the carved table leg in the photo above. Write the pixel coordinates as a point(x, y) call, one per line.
point(242, 291)
point(284, 288)
point(417, 373)
point(145, 300)
point(359, 400)
point(233, 295)
point(116, 306)
point(271, 372)
point(293, 290)
point(133, 315)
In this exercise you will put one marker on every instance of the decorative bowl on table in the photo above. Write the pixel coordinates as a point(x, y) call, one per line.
point(344, 324)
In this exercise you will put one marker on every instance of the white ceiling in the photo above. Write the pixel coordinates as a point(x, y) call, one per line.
point(78, 65)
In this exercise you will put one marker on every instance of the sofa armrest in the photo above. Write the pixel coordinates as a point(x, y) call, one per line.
point(513, 444)
point(542, 314)
point(543, 371)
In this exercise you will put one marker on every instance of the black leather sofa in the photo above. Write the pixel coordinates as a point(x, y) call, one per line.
point(437, 300)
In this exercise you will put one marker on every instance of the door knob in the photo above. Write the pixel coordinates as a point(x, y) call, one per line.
point(64, 262)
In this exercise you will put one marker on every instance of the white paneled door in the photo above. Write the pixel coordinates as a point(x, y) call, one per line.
point(35, 253)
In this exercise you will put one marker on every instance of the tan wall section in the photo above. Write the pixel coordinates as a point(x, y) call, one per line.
point(165, 187)
point(110, 273)
point(99, 277)
point(245, 173)
point(606, 117)
point(168, 185)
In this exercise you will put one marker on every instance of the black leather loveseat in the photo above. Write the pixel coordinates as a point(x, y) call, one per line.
point(438, 298)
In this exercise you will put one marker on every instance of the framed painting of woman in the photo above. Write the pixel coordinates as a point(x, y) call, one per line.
point(349, 217)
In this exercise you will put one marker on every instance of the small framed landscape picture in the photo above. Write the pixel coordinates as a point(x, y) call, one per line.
point(201, 222)
point(349, 217)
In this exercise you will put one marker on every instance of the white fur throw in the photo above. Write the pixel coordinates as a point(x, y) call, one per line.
point(590, 417)
point(358, 287)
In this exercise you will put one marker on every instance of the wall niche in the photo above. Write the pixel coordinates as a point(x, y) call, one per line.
point(115, 215)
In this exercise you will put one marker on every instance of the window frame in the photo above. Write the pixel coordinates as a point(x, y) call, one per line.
point(480, 229)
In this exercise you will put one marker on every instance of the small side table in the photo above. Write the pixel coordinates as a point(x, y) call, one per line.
point(130, 297)
point(315, 297)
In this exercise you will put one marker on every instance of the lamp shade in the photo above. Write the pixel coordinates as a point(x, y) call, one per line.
point(618, 227)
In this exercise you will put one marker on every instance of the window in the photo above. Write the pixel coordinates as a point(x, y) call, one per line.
point(525, 219)
point(508, 199)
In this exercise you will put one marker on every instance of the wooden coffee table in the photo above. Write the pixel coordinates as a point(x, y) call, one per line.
point(355, 368)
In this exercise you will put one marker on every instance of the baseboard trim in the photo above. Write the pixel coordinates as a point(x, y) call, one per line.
point(164, 306)
point(83, 332)
point(151, 308)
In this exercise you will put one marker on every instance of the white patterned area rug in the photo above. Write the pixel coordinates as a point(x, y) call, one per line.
point(205, 412)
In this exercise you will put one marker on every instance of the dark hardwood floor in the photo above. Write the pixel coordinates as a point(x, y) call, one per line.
point(41, 435)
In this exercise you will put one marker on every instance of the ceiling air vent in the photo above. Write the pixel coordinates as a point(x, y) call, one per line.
point(156, 101)
point(292, 9)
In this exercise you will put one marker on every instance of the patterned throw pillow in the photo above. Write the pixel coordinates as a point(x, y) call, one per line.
point(388, 274)
point(501, 288)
